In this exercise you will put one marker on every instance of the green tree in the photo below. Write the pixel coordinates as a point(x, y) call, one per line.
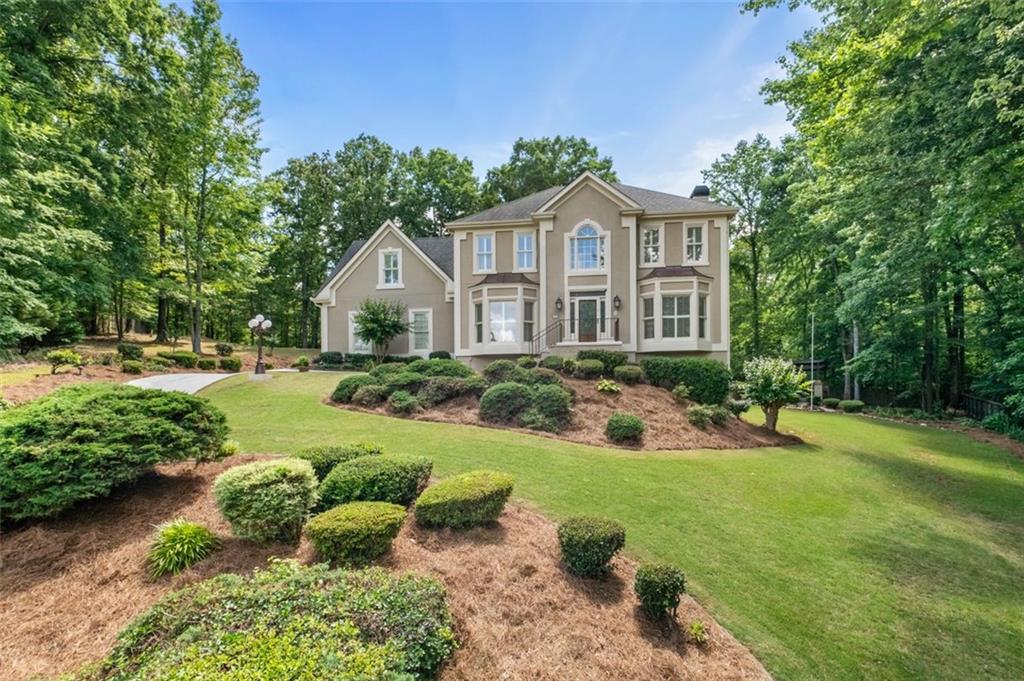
point(366, 175)
point(434, 188)
point(772, 383)
point(380, 322)
point(537, 164)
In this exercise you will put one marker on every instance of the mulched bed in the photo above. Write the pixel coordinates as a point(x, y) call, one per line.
point(667, 426)
point(70, 584)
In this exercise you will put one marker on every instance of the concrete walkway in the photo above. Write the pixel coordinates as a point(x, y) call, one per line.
point(185, 383)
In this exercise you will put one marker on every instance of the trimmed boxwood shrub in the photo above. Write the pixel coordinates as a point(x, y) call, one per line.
point(267, 501)
point(553, 362)
point(231, 363)
point(325, 457)
point(831, 402)
point(347, 387)
point(290, 622)
point(161, 362)
point(383, 371)
point(408, 381)
point(441, 367)
point(504, 402)
point(476, 385)
point(129, 350)
point(388, 477)
point(438, 389)
point(179, 544)
point(658, 587)
point(223, 349)
point(588, 368)
point(526, 362)
point(624, 428)
point(370, 395)
point(182, 358)
point(403, 402)
point(542, 376)
point(329, 358)
point(630, 374)
point(851, 406)
point(588, 544)
point(700, 415)
point(553, 401)
point(132, 366)
point(504, 371)
point(440, 354)
point(707, 379)
point(206, 363)
point(475, 498)
point(568, 366)
point(355, 533)
point(609, 359)
point(80, 442)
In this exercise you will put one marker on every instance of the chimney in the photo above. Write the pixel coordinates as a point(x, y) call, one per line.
point(701, 193)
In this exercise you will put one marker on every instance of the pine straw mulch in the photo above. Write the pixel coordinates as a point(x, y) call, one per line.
point(666, 424)
point(70, 584)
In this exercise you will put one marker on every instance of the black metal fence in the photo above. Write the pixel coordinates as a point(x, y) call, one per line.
point(979, 408)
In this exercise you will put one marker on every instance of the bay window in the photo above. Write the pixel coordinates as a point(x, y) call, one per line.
point(504, 321)
point(675, 316)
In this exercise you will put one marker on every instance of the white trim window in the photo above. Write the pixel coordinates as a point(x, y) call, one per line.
point(478, 321)
point(648, 317)
point(528, 320)
point(525, 252)
point(389, 269)
point(650, 245)
point(483, 253)
point(675, 316)
point(586, 249)
point(696, 251)
point(421, 331)
point(504, 321)
point(355, 343)
point(702, 315)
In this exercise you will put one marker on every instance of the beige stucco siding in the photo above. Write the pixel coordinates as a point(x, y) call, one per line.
point(422, 289)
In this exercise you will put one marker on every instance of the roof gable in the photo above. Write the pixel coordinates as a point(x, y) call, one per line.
point(588, 179)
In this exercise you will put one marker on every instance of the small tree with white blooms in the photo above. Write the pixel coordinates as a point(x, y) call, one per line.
point(772, 383)
point(379, 322)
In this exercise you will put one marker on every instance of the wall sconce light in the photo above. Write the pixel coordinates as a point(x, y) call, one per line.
point(558, 304)
point(617, 302)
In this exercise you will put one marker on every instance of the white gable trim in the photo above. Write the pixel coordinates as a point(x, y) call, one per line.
point(589, 178)
point(326, 295)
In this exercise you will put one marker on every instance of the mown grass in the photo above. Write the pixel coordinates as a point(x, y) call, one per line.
point(875, 550)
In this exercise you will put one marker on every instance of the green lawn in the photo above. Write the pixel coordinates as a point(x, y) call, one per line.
point(876, 550)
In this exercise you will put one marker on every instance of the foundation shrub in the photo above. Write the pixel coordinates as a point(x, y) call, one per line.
point(609, 359)
point(267, 501)
point(588, 368)
point(630, 374)
point(475, 498)
point(388, 477)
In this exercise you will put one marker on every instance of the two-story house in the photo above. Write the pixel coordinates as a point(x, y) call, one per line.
point(589, 264)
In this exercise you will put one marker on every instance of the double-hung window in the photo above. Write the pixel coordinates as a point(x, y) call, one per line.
point(586, 250)
point(525, 258)
point(694, 243)
point(484, 253)
point(527, 320)
point(390, 268)
point(675, 316)
point(651, 245)
point(419, 330)
point(648, 309)
point(504, 322)
point(478, 321)
point(702, 315)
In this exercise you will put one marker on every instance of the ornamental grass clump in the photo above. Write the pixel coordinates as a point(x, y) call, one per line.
point(267, 501)
point(355, 533)
point(589, 543)
point(180, 544)
point(390, 477)
point(475, 498)
point(658, 586)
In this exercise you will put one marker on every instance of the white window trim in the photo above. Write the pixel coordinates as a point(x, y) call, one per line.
point(704, 259)
point(602, 234)
point(707, 315)
point(497, 347)
point(689, 317)
point(515, 247)
point(660, 261)
point(380, 268)
point(654, 316)
point(352, 339)
point(494, 253)
point(430, 331)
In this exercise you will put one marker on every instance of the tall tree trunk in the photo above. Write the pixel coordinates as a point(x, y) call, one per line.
point(955, 339)
point(197, 302)
point(304, 318)
point(755, 293)
point(929, 355)
point(162, 302)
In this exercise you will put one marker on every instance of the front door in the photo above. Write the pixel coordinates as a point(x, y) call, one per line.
point(588, 320)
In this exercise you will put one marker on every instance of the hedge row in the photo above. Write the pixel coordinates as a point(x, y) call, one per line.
point(706, 379)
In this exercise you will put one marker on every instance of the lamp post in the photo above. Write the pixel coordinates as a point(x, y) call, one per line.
point(259, 325)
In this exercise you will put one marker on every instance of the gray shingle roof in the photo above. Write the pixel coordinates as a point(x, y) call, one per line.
point(438, 248)
point(650, 200)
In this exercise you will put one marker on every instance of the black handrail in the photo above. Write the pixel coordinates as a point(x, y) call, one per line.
point(538, 342)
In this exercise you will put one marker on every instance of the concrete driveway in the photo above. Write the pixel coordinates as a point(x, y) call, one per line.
point(184, 383)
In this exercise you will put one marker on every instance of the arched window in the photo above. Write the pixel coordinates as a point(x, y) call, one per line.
point(586, 249)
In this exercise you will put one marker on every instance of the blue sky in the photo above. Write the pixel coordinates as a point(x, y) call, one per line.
point(663, 88)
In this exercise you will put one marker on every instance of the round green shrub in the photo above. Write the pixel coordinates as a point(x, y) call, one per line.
point(681, 393)
point(129, 350)
point(535, 419)
point(441, 367)
point(355, 533)
point(624, 428)
point(542, 376)
point(370, 395)
point(700, 415)
point(568, 366)
point(403, 402)
point(737, 407)
point(609, 359)
point(553, 362)
point(831, 402)
point(438, 389)
point(62, 357)
point(267, 501)
point(476, 385)
point(162, 362)
point(526, 362)
point(408, 381)
point(851, 406)
point(553, 401)
point(440, 354)
point(504, 402)
point(347, 387)
point(588, 544)
point(658, 586)
point(389, 477)
point(504, 371)
point(132, 366)
point(184, 358)
point(630, 374)
point(80, 442)
point(233, 364)
point(588, 368)
point(223, 349)
point(475, 498)
point(324, 458)
point(382, 371)
point(206, 363)
point(179, 544)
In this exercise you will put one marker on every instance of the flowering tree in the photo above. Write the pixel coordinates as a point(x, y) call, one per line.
point(378, 323)
point(772, 383)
